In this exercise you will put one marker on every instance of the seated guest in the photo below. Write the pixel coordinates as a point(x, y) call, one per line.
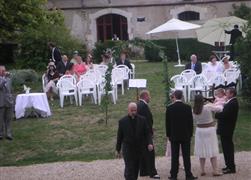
point(63, 65)
point(70, 70)
point(213, 65)
point(52, 77)
point(88, 61)
point(123, 60)
point(105, 59)
point(79, 67)
point(75, 55)
point(194, 64)
point(226, 64)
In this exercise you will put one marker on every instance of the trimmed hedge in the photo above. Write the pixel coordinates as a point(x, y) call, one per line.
point(187, 47)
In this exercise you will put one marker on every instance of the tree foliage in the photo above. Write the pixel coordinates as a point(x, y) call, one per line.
point(241, 11)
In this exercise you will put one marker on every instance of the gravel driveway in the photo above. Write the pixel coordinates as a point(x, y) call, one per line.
point(113, 170)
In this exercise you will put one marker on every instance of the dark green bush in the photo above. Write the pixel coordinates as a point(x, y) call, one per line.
point(186, 46)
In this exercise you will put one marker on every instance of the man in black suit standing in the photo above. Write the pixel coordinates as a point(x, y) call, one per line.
point(63, 65)
point(132, 134)
point(123, 60)
point(147, 163)
point(179, 130)
point(235, 34)
point(194, 64)
point(55, 54)
point(226, 125)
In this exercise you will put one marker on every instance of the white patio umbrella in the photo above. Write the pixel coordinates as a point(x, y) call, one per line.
point(214, 29)
point(174, 25)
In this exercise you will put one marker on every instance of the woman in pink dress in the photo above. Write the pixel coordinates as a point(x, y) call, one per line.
point(80, 67)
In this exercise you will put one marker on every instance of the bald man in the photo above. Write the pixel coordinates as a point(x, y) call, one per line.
point(133, 132)
point(6, 104)
point(194, 64)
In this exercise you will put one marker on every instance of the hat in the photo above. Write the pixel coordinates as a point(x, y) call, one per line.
point(75, 52)
point(225, 57)
point(51, 64)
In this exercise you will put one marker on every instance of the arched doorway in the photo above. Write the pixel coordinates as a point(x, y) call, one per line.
point(110, 24)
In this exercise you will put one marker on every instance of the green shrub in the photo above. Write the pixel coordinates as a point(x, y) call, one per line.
point(23, 76)
point(186, 47)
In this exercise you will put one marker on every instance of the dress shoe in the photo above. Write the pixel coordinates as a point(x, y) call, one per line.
point(229, 171)
point(9, 138)
point(224, 169)
point(156, 176)
point(191, 178)
point(172, 178)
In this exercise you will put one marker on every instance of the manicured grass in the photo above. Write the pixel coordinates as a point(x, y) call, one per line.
point(79, 133)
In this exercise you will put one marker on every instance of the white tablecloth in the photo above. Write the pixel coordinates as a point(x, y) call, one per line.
point(36, 100)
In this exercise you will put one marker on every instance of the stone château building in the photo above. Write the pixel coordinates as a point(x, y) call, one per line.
point(94, 20)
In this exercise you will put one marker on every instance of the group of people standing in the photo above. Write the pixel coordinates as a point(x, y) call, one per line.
point(135, 134)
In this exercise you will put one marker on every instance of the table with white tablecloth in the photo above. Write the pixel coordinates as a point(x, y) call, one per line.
point(37, 101)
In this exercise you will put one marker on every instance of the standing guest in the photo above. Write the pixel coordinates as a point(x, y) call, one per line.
point(80, 67)
point(123, 60)
point(235, 34)
point(213, 65)
point(194, 64)
point(133, 132)
point(179, 130)
point(63, 65)
point(147, 164)
point(226, 125)
point(206, 142)
point(55, 53)
point(75, 55)
point(52, 78)
point(6, 104)
point(88, 61)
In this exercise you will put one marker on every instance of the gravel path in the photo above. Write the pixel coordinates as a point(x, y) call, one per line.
point(113, 170)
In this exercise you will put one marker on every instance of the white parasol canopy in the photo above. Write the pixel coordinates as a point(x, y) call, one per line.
point(214, 29)
point(174, 25)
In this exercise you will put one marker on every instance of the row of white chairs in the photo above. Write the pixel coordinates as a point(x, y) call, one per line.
point(189, 82)
point(92, 83)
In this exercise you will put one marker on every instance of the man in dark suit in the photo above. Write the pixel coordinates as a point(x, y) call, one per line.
point(194, 64)
point(226, 125)
point(235, 34)
point(6, 104)
point(132, 134)
point(179, 130)
point(124, 61)
point(55, 54)
point(147, 163)
point(63, 65)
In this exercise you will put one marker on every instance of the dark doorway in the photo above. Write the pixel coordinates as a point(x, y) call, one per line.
point(110, 24)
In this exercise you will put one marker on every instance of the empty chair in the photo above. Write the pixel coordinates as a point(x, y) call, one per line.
point(101, 92)
point(118, 78)
point(231, 76)
point(126, 71)
point(70, 78)
point(66, 88)
point(101, 69)
point(86, 87)
point(180, 83)
point(189, 74)
point(198, 84)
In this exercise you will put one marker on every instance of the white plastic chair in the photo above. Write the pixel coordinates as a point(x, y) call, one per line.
point(66, 88)
point(44, 82)
point(101, 92)
point(198, 83)
point(70, 78)
point(86, 87)
point(189, 74)
point(101, 69)
point(204, 66)
point(118, 78)
point(126, 71)
point(132, 71)
point(219, 81)
point(180, 83)
point(231, 76)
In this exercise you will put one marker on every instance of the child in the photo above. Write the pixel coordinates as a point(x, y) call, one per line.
point(220, 99)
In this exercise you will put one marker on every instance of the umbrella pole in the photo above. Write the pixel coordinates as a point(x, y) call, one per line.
point(178, 53)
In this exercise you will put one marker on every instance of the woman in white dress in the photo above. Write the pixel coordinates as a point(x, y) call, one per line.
point(206, 142)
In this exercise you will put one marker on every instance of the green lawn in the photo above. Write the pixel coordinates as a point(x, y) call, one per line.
point(79, 133)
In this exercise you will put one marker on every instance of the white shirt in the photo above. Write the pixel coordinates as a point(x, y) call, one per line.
point(217, 68)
